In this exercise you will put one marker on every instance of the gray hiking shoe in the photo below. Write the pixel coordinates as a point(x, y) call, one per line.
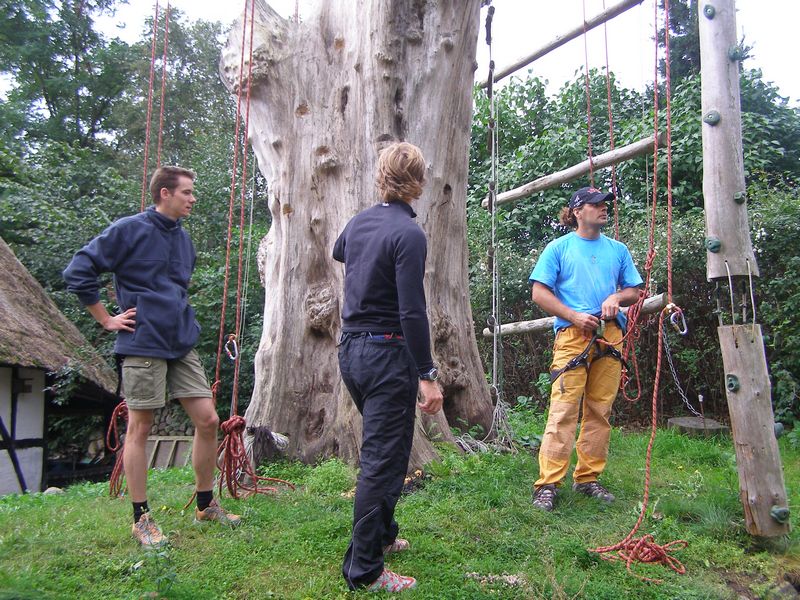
point(593, 490)
point(544, 497)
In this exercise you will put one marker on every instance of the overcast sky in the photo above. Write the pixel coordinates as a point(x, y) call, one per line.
point(522, 26)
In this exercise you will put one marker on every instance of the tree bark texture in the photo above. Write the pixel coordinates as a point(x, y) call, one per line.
point(328, 93)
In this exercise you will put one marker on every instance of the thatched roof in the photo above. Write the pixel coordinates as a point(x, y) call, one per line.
point(34, 333)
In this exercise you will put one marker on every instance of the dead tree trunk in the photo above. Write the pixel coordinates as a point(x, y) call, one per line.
point(327, 94)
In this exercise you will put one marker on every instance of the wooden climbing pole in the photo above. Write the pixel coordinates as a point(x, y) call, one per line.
point(732, 265)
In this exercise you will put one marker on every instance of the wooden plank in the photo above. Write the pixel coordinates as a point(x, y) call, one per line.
point(171, 455)
point(601, 161)
point(723, 161)
point(761, 485)
point(167, 451)
point(153, 451)
point(562, 39)
point(652, 305)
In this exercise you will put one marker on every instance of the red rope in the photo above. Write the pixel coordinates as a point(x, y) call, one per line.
point(163, 85)
point(232, 459)
point(644, 549)
point(668, 94)
point(234, 464)
point(115, 483)
point(611, 131)
point(231, 200)
point(238, 325)
point(588, 100)
point(149, 106)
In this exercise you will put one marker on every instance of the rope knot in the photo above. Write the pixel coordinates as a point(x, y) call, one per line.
point(233, 426)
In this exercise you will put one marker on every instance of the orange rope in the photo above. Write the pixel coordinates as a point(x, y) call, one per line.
point(149, 107)
point(611, 131)
point(231, 200)
point(588, 100)
point(115, 483)
point(668, 94)
point(163, 85)
point(645, 549)
point(232, 459)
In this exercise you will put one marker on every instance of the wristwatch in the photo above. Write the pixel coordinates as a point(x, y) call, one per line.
point(431, 375)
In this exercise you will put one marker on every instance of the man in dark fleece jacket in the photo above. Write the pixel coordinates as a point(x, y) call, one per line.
point(385, 358)
point(152, 259)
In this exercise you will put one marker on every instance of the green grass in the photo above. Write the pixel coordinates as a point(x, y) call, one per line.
point(472, 516)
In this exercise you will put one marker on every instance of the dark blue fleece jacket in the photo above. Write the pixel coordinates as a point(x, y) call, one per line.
point(384, 253)
point(152, 259)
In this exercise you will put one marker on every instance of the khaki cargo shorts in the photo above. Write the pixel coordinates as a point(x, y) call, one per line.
point(146, 380)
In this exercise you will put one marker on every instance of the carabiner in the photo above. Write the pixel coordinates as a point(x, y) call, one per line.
point(231, 348)
point(678, 320)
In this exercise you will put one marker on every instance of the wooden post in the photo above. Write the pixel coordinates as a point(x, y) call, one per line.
point(731, 260)
point(749, 403)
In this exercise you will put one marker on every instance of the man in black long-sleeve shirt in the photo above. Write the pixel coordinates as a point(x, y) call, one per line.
point(385, 358)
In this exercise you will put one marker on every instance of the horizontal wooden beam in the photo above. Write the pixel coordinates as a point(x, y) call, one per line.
point(572, 173)
point(562, 39)
point(652, 305)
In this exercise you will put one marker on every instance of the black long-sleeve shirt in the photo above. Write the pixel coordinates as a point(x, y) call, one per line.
point(384, 253)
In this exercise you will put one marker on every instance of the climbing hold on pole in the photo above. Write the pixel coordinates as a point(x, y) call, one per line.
point(732, 383)
point(779, 513)
point(712, 117)
point(740, 197)
point(736, 53)
point(713, 244)
point(709, 11)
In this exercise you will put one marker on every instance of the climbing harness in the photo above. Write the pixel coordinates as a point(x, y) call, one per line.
point(602, 349)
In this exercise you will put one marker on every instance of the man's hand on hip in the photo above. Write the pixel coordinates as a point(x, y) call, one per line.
point(431, 397)
point(121, 322)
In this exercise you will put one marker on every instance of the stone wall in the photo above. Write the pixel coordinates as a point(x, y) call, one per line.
point(171, 420)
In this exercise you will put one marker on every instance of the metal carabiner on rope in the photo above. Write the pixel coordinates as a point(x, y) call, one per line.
point(677, 319)
point(231, 347)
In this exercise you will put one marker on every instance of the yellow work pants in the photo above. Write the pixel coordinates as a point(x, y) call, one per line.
point(595, 389)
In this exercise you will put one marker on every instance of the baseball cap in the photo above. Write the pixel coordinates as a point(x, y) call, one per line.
point(589, 195)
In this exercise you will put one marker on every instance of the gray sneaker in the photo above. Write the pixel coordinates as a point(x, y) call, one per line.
point(544, 497)
point(593, 490)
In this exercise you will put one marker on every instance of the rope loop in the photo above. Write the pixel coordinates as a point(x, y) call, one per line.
point(115, 482)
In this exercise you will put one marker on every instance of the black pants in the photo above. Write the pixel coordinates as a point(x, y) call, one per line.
point(381, 377)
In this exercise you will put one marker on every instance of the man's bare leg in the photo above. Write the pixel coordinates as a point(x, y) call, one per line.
point(134, 453)
point(204, 451)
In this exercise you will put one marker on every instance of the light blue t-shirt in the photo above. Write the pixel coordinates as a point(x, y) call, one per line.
point(583, 273)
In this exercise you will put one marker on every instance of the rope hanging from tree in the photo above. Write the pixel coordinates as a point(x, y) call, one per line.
point(150, 98)
point(236, 469)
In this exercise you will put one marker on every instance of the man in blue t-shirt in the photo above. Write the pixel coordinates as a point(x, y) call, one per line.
point(583, 279)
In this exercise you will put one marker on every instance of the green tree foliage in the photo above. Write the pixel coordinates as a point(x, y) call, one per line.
point(684, 39)
point(66, 77)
